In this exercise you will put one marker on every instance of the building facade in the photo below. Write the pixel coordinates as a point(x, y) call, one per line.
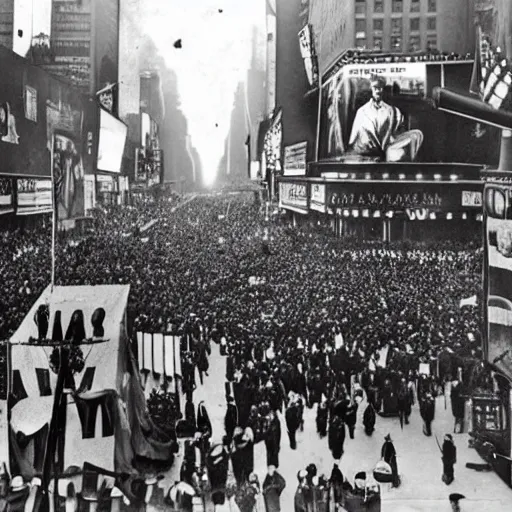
point(85, 42)
point(414, 25)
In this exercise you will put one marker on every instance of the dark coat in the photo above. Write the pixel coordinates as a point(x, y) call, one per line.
point(369, 417)
point(351, 414)
point(336, 437)
point(231, 419)
point(457, 401)
point(449, 452)
point(273, 486)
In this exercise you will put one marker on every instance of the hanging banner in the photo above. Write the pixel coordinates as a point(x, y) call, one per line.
point(68, 173)
point(307, 50)
point(89, 193)
point(273, 143)
point(317, 200)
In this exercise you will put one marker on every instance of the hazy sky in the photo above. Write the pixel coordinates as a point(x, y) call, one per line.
point(214, 58)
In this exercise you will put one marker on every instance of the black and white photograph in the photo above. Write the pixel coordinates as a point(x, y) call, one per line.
point(256, 255)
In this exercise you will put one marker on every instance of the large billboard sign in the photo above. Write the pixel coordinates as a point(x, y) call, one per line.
point(361, 118)
point(380, 112)
point(498, 275)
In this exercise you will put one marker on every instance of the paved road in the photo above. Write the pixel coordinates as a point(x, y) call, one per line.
point(419, 459)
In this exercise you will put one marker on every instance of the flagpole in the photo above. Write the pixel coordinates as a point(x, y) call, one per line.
point(54, 210)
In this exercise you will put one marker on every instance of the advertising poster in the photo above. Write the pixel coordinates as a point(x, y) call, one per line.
point(362, 118)
point(307, 50)
point(498, 247)
point(295, 159)
point(272, 144)
point(317, 199)
point(34, 196)
point(111, 143)
point(89, 192)
point(68, 173)
point(6, 200)
point(294, 196)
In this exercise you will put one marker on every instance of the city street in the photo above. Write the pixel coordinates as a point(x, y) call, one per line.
point(419, 459)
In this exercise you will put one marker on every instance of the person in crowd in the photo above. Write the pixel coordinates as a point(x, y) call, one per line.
point(231, 418)
point(322, 416)
point(217, 464)
point(351, 417)
point(273, 439)
point(369, 418)
point(458, 403)
point(273, 486)
point(302, 493)
point(388, 454)
point(405, 401)
point(449, 457)
point(336, 436)
point(293, 417)
point(427, 411)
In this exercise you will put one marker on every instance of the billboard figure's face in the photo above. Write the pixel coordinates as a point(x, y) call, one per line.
point(377, 90)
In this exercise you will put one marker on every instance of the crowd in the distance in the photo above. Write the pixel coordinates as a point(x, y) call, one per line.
point(298, 312)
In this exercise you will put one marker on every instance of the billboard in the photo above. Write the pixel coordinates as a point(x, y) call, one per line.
point(361, 120)
point(6, 199)
point(293, 196)
point(272, 144)
point(498, 279)
point(380, 112)
point(317, 197)
point(295, 159)
point(68, 175)
point(111, 142)
point(307, 50)
point(34, 196)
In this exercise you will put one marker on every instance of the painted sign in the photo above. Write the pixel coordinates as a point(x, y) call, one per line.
point(295, 159)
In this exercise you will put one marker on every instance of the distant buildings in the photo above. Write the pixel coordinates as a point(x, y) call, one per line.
point(6, 23)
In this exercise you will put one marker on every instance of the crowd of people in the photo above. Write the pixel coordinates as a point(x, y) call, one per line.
point(303, 318)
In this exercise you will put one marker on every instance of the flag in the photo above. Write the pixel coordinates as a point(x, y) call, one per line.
point(470, 301)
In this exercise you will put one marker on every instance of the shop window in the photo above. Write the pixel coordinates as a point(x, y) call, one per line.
point(415, 24)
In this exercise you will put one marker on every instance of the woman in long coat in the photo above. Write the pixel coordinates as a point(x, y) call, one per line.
point(336, 436)
point(273, 486)
point(388, 453)
point(449, 459)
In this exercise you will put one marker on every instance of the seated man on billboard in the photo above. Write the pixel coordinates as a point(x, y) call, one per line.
point(375, 134)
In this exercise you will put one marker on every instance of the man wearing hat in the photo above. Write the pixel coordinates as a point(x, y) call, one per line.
point(449, 458)
point(388, 454)
point(454, 501)
point(300, 500)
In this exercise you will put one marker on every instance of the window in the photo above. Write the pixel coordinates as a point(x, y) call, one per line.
point(396, 42)
point(361, 42)
point(415, 24)
point(360, 6)
point(377, 42)
point(360, 26)
point(432, 5)
point(432, 43)
point(415, 5)
point(378, 25)
point(414, 43)
point(431, 23)
point(398, 6)
point(396, 26)
point(378, 6)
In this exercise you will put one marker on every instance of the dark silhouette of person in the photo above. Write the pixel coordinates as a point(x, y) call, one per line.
point(97, 323)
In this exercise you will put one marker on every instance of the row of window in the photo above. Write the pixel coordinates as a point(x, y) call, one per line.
point(396, 24)
point(396, 6)
point(397, 43)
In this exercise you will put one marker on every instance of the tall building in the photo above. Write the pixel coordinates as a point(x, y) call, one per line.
point(414, 25)
point(85, 42)
point(6, 23)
